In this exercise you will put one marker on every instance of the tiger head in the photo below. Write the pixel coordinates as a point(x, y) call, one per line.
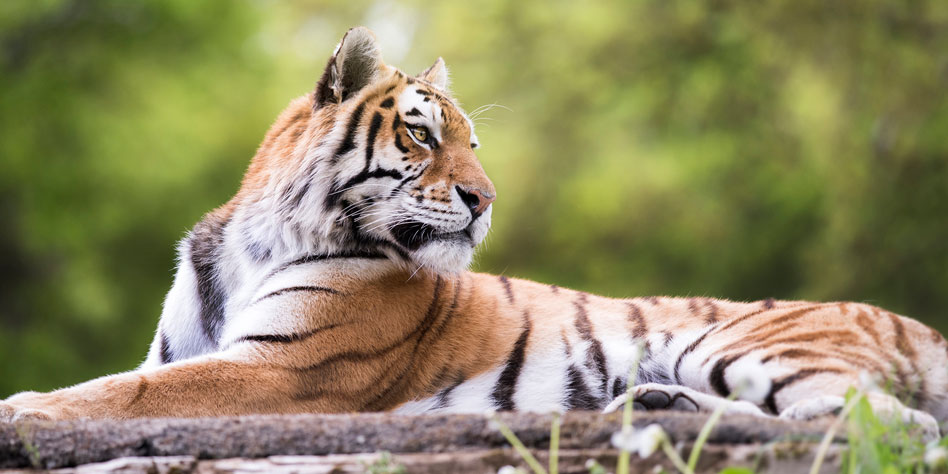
point(373, 161)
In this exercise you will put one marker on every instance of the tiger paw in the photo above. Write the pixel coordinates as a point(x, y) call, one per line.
point(654, 396)
point(12, 414)
point(24, 406)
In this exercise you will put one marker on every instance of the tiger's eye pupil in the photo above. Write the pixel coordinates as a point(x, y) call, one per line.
point(420, 133)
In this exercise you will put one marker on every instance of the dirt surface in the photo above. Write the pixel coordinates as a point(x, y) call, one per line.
point(435, 443)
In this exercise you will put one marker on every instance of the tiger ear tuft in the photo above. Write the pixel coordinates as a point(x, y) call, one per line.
point(437, 75)
point(356, 63)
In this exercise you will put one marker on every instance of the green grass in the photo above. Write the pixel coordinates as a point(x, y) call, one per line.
point(872, 446)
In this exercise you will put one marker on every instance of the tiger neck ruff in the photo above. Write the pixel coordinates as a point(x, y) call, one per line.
point(335, 281)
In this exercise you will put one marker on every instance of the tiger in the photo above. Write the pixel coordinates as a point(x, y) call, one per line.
point(335, 281)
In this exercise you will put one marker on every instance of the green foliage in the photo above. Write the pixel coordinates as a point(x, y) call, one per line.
point(875, 446)
point(792, 149)
point(384, 465)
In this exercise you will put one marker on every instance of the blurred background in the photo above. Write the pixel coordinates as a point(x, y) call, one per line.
point(787, 149)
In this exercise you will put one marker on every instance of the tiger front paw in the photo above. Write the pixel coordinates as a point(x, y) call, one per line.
point(654, 396)
point(19, 407)
point(13, 414)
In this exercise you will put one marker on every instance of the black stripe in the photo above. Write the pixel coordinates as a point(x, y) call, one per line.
point(164, 349)
point(207, 239)
point(691, 347)
point(579, 396)
point(406, 180)
point(286, 338)
point(292, 196)
point(618, 388)
point(387, 103)
point(374, 127)
point(257, 251)
point(716, 378)
point(321, 257)
point(771, 400)
point(442, 397)
point(348, 141)
point(414, 112)
point(502, 396)
point(365, 174)
point(291, 289)
point(595, 359)
point(398, 142)
point(640, 330)
point(712, 316)
point(507, 289)
point(423, 92)
point(362, 177)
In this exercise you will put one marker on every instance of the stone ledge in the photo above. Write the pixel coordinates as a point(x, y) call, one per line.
point(53, 445)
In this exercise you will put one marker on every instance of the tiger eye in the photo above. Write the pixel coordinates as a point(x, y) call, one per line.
point(420, 134)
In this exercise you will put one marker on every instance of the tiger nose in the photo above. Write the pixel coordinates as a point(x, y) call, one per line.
point(475, 199)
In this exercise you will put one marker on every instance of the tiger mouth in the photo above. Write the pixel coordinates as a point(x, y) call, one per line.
point(412, 235)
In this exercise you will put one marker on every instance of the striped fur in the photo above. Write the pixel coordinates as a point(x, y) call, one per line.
point(334, 281)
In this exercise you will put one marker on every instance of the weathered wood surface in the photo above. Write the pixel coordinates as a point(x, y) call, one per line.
point(468, 442)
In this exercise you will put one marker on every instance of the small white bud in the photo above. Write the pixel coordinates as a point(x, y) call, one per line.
point(935, 455)
point(869, 382)
point(650, 439)
point(625, 440)
point(644, 441)
point(750, 379)
point(507, 470)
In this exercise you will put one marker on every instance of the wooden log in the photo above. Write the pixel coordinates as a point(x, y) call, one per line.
point(61, 444)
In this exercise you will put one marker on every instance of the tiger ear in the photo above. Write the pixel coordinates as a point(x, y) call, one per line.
point(437, 74)
point(356, 63)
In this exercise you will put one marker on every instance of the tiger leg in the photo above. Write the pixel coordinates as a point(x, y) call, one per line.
point(207, 386)
point(886, 407)
point(656, 396)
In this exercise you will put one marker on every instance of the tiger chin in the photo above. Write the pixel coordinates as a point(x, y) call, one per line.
point(335, 281)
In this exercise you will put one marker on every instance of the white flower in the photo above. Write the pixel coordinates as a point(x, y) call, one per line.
point(650, 439)
point(935, 455)
point(492, 421)
point(644, 441)
point(869, 382)
point(507, 470)
point(625, 440)
point(750, 379)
